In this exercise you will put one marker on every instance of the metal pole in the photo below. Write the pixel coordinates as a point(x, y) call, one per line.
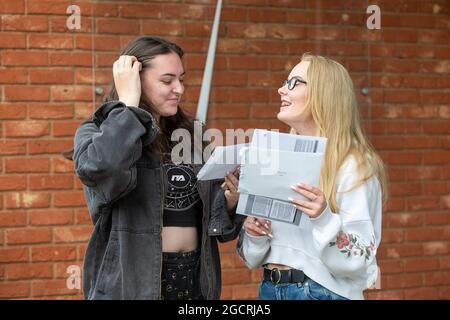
point(202, 108)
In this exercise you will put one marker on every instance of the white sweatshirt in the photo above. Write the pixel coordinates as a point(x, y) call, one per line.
point(335, 250)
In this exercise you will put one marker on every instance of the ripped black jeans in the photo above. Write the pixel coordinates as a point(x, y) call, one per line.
point(180, 279)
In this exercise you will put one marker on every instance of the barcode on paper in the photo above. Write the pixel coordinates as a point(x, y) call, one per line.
point(283, 211)
point(306, 145)
point(261, 206)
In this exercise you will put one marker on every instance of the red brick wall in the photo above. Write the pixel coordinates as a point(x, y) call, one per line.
point(48, 75)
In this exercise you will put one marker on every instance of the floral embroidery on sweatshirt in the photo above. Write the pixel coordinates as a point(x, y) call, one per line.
point(351, 245)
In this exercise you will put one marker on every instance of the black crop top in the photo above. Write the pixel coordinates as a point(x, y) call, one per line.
point(182, 205)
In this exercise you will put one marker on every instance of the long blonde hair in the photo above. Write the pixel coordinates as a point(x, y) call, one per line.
point(332, 101)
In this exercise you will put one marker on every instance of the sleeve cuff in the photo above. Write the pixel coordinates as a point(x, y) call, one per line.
point(322, 221)
point(257, 240)
point(147, 120)
point(102, 113)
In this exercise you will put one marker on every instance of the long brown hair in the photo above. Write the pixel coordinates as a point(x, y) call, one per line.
point(145, 49)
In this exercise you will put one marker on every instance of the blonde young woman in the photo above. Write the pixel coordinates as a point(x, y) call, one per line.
point(331, 254)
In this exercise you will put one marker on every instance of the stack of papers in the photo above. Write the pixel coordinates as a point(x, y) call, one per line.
point(270, 166)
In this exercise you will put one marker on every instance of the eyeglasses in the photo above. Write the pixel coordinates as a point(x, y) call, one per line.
point(292, 82)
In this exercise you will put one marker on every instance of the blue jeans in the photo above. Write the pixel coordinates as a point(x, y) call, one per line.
point(308, 290)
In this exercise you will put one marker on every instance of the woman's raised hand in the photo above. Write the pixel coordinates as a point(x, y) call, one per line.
point(127, 80)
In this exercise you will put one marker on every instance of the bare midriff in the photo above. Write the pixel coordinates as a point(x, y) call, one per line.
point(278, 266)
point(179, 239)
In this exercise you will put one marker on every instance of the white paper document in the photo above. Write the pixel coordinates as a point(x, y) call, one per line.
point(274, 175)
point(288, 142)
point(264, 184)
point(222, 160)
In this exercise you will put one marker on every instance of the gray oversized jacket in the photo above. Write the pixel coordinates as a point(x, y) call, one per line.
point(124, 189)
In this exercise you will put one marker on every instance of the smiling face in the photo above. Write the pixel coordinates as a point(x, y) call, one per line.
point(162, 83)
point(292, 110)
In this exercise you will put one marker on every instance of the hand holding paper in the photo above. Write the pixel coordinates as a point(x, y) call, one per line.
point(231, 191)
point(315, 203)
